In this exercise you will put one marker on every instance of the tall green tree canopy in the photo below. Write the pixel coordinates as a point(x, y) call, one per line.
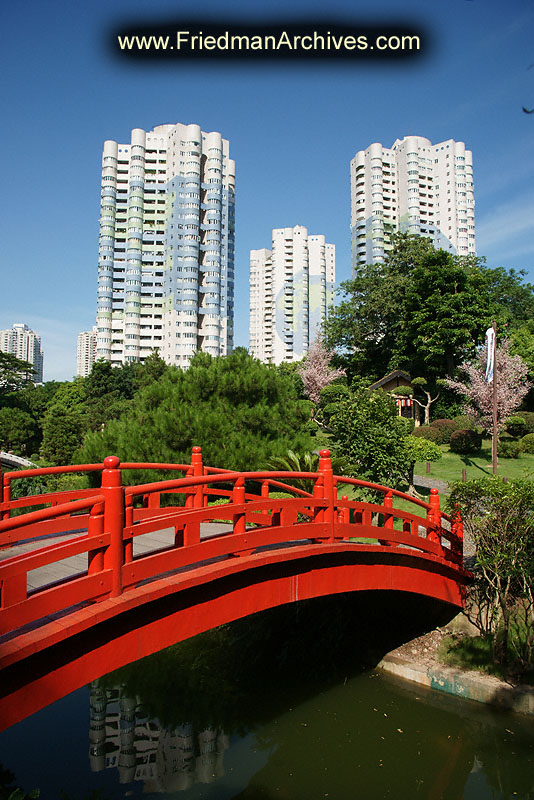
point(14, 373)
point(368, 432)
point(240, 411)
point(422, 310)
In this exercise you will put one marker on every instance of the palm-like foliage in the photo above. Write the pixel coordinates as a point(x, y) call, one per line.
point(306, 462)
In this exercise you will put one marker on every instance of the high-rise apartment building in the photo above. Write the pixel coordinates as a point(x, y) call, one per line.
point(86, 352)
point(417, 187)
point(166, 258)
point(25, 344)
point(291, 288)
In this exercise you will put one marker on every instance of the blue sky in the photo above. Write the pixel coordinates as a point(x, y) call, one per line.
point(293, 129)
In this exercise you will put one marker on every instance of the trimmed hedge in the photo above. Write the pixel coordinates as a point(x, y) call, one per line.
point(528, 416)
point(527, 443)
point(427, 432)
point(516, 425)
point(507, 449)
point(464, 442)
point(465, 423)
point(446, 428)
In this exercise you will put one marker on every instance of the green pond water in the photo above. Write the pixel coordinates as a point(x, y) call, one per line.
point(241, 713)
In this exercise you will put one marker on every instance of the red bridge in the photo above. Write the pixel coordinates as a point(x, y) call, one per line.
point(128, 602)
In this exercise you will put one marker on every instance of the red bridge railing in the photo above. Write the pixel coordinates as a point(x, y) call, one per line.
point(105, 523)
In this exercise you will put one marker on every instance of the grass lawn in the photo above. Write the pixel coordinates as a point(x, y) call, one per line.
point(449, 467)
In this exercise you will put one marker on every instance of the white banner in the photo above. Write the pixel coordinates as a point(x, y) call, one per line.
point(490, 344)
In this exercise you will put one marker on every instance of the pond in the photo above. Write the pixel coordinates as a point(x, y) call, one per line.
point(240, 713)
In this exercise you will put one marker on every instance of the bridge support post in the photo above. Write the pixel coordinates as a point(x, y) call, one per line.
point(114, 514)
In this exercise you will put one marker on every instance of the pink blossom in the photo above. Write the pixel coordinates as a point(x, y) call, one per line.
point(316, 372)
point(512, 386)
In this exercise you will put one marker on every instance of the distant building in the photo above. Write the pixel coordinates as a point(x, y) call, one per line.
point(415, 187)
point(25, 344)
point(166, 256)
point(392, 381)
point(291, 288)
point(86, 352)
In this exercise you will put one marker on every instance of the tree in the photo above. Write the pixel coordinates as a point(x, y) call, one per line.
point(512, 386)
point(18, 432)
point(422, 310)
point(240, 411)
point(153, 369)
point(15, 374)
point(418, 449)
point(421, 383)
point(368, 432)
point(316, 372)
point(63, 431)
point(499, 519)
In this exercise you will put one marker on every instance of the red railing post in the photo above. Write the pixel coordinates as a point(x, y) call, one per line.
point(343, 515)
point(128, 522)
point(113, 492)
point(6, 497)
point(388, 504)
point(325, 469)
point(388, 516)
point(197, 471)
point(95, 527)
point(457, 531)
point(433, 516)
point(153, 500)
point(238, 496)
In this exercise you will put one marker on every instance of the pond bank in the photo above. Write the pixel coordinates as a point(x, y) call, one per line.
point(417, 661)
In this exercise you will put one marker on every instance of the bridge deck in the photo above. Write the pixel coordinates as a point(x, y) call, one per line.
point(69, 567)
point(93, 579)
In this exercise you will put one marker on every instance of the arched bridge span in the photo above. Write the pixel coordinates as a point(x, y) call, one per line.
point(231, 549)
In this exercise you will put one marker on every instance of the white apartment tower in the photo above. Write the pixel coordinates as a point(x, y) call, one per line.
point(166, 258)
point(22, 342)
point(291, 289)
point(86, 352)
point(417, 187)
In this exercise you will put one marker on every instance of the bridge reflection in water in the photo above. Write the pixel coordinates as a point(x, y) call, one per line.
point(222, 562)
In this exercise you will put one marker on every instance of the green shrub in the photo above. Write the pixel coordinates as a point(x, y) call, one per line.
point(427, 432)
point(528, 416)
point(333, 393)
point(446, 428)
point(527, 443)
point(408, 423)
point(464, 442)
point(516, 425)
point(508, 449)
point(465, 423)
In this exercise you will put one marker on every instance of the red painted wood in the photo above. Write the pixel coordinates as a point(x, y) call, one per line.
point(211, 611)
point(302, 528)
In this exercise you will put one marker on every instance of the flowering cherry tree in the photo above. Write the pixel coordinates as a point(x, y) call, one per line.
point(316, 372)
point(512, 386)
